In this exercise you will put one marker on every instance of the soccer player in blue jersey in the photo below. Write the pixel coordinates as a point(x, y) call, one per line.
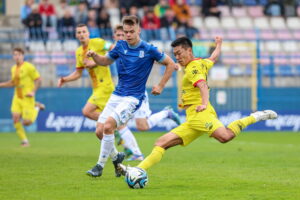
point(135, 60)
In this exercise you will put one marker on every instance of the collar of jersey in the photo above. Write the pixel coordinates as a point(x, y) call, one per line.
point(136, 46)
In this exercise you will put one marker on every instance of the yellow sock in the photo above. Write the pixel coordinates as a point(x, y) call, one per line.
point(155, 156)
point(238, 125)
point(20, 131)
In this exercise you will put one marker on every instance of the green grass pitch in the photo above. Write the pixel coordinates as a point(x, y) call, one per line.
point(254, 166)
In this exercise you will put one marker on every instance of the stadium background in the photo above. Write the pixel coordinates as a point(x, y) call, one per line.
point(259, 67)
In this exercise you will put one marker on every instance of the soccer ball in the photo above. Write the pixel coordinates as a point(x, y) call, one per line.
point(136, 178)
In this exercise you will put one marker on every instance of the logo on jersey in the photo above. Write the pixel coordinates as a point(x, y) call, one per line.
point(142, 54)
point(125, 51)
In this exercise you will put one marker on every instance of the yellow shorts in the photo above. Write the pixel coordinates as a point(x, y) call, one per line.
point(197, 124)
point(25, 107)
point(100, 97)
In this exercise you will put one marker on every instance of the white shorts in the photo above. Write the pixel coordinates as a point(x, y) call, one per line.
point(120, 108)
point(144, 111)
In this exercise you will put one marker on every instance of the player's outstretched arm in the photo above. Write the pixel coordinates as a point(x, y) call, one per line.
point(72, 77)
point(100, 60)
point(9, 83)
point(204, 94)
point(170, 67)
point(216, 53)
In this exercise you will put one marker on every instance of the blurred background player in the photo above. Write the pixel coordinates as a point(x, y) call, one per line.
point(26, 80)
point(135, 59)
point(201, 116)
point(143, 118)
point(102, 83)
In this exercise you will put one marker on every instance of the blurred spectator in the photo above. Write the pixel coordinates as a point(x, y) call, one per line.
point(92, 15)
point(191, 31)
point(47, 11)
point(146, 3)
point(34, 24)
point(182, 12)
point(125, 6)
point(151, 25)
point(168, 24)
point(81, 15)
point(67, 26)
point(274, 8)
point(103, 22)
point(61, 9)
point(95, 4)
point(290, 8)
point(209, 8)
point(93, 29)
point(26, 9)
point(161, 8)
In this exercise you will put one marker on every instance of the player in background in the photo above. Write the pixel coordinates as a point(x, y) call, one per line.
point(143, 118)
point(102, 83)
point(200, 114)
point(26, 80)
point(135, 60)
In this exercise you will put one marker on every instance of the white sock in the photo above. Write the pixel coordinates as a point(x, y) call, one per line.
point(155, 118)
point(106, 148)
point(114, 153)
point(130, 141)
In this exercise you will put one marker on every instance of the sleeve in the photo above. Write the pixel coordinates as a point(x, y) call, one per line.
point(12, 74)
point(195, 74)
point(34, 74)
point(79, 64)
point(157, 55)
point(208, 63)
point(114, 54)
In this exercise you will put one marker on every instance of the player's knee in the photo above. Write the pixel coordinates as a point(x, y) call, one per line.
point(108, 128)
point(226, 137)
point(160, 142)
point(142, 128)
point(27, 122)
point(86, 113)
point(99, 131)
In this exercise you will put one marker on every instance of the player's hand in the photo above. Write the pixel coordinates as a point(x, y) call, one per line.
point(218, 40)
point(88, 63)
point(177, 67)
point(156, 90)
point(60, 82)
point(201, 108)
point(30, 94)
point(90, 53)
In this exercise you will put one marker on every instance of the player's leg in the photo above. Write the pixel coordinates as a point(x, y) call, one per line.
point(164, 142)
point(90, 111)
point(224, 135)
point(31, 110)
point(167, 112)
point(130, 142)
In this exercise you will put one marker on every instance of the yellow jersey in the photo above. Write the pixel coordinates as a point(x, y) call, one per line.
point(100, 75)
point(194, 72)
point(23, 77)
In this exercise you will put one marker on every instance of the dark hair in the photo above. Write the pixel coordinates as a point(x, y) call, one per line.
point(81, 25)
point(118, 27)
point(130, 20)
point(185, 42)
point(18, 49)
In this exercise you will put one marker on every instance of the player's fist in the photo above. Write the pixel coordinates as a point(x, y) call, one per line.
point(90, 53)
point(156, 90)
point(30, 94)
point(218, 40)
point(201, 108)
point(60, 82)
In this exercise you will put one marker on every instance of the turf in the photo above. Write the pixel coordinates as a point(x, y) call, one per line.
point(255, 166)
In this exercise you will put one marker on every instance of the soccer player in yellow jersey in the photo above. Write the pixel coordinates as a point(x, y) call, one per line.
point(102, 82)
point(26, 80)
point(201, 117)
